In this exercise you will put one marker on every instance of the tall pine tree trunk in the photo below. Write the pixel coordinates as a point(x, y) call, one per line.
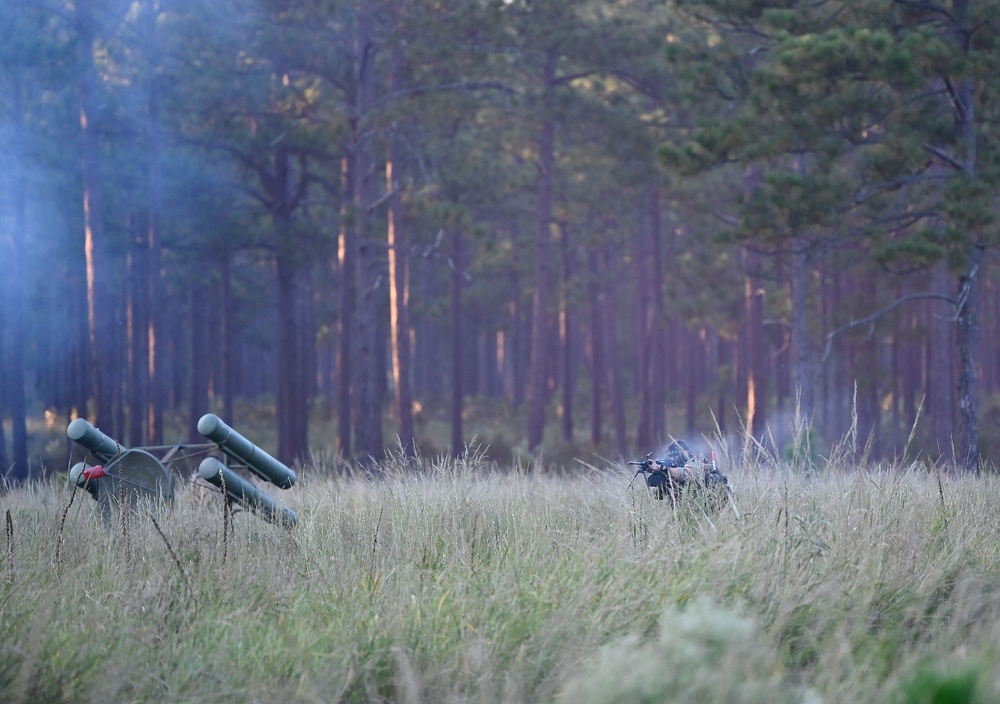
point(613, 351)
point(16, 289)
point(368, 402)
point(371, 262)
point(967, 307)
point(155, 295)
point(657, 331)
point(538, 393)
point(566, 338)
point(598, 367)
point(156, 336)
point(6, 295)
point(399, 301)
point(99, 306)
point(227, 336)
point(967, 339)
point(642, 334)
point(293, 403)
point(293, 408)
point(870, 411)
point(136, 327)
point(457, 433)
point(802, 368)
point(347, 267)
point(198, 362)
point(753, 300)
point(939, 371)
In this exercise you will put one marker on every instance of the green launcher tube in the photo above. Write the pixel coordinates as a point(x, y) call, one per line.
point(76, 476)
point(100, 445)
point(243, 492)
point(244, 451)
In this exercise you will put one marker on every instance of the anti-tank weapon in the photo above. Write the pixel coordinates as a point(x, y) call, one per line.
point(139, 477)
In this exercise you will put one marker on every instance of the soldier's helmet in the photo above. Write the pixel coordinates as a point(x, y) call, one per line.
point(678, 454)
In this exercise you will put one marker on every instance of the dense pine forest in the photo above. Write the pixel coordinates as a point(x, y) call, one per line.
point(591, 226)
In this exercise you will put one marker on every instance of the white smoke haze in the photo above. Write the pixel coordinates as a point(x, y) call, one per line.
point(775, 446)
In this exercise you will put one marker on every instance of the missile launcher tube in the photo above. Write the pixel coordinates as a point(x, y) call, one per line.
point(244, 451)
point(240, 490)
point(76, 476)
point(100, 445)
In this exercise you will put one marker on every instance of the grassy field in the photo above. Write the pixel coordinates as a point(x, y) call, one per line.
point(462, 583)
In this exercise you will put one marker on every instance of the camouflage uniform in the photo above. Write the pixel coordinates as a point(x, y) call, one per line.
point(680, 471)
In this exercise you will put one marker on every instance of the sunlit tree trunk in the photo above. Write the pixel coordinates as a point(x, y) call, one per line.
point(753, 298)
point(399, 302)
point(155, 294)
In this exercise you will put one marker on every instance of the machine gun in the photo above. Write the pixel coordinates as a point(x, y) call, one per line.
point(681, 474)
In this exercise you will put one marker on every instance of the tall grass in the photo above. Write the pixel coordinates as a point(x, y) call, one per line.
point(457, 583)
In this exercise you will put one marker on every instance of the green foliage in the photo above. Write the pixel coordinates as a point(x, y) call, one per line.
point(846, 94)
point(921, 249)
point(969, 207)
point(696, 649)
point(806, 452)
point(928, 685)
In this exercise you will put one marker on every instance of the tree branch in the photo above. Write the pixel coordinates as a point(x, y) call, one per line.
point(257, 196)
point(870, 320)
point(870, 190)
point(968, 280)
point(945, 156)
point(302, 186)
point(637, 84)
point(928, 7)
point(460, 85)
point(570, 77)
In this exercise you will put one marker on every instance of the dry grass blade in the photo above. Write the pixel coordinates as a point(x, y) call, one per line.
point(62, 526)
point(173, 556)
point(8, 531)
point(225, 516)
point(121, 489)
point(371, 564)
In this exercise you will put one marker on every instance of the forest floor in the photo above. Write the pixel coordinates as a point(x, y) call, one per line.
point(460, 582)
